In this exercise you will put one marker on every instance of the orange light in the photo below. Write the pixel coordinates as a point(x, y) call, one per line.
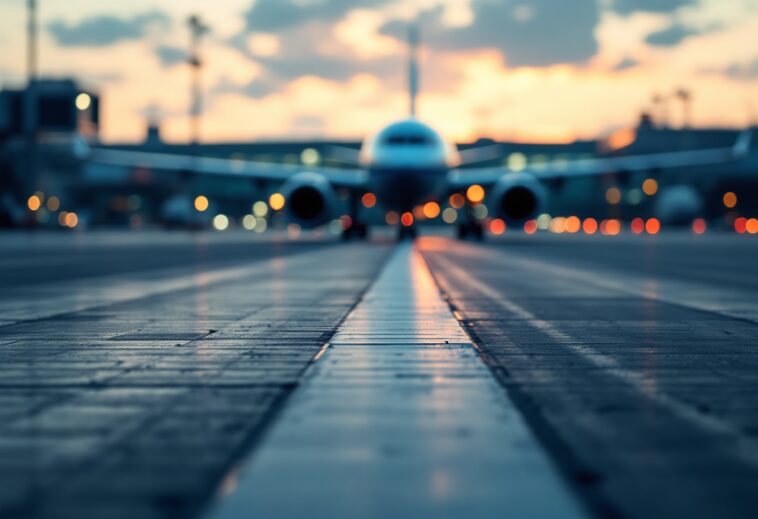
point(497, 226)
point(590, 226)
point(71, 220)
point(699, 226)
point(406, 219)
point(431, 210)
point(368, 200)
point(638, 225)
point(530, 226)
point(650, 186)
point(276, 201)
point(613, 195)
point(573, 224)
point(558, 225)
point(201, 203)
point(740, 225)
point(392, 218)
point(612, 227)
point(475, 194)
point(457, 201)
point(33, 203)
point(729, 199)
point(752, 226)
point(418, 212)
point(653, 226)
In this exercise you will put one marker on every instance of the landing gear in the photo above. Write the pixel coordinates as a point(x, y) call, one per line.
point(473, 229)
point(406, 233)
point(359, 231)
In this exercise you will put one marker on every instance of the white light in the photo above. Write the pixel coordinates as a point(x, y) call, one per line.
point(260, 225)
point(449, 215)
point(310, 157)
point(220, 222)
point(83, 101)
point(516, 161)
point(480, 212)
point(260, 209)
point(543, 222)
point(249, 222)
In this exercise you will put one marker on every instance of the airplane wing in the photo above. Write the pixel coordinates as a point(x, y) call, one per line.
point(591, 167)
point(197, 165)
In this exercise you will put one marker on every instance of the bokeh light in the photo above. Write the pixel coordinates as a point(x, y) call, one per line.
point(475, 194)
point(276, 201)
point(201, 203)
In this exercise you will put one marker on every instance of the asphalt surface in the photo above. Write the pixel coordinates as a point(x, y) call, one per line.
point(139, 373)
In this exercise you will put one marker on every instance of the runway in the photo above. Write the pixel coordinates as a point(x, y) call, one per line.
point(172, 375)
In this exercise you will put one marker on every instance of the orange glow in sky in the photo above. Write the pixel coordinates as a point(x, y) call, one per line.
point(263, 82)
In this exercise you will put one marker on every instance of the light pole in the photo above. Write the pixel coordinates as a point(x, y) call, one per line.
point(197, 30)
point(30, 123)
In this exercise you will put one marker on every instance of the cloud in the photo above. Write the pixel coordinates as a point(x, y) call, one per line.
point(671, 36)
point(625, 64)
point(275, 15)
point(651, 6)
point(743, 71)
point(170, 56)
point(534, 33)
point(101, 31)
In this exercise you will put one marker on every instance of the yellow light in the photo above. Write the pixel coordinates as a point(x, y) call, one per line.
point(368, 200)
point(276, 201)
point(83, 101)
point(475, 194)
point(449, 215)
point(53, 203)
point(71, 220)
point(201, 203)
point(730, 200)
point(220, 222)
point(33, 203)
point(457, 201)
point(613, 195)
point(650, 186)
point(431, 210)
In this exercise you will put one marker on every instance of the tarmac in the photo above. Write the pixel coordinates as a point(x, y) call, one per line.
point(229, 375)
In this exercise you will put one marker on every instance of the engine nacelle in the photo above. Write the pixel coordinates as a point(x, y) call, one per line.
point(309, 199)
point(517, 197)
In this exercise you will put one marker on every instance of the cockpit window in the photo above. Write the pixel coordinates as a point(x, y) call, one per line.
point(415, 140)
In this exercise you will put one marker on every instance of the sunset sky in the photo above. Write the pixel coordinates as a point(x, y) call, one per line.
point(529, 70)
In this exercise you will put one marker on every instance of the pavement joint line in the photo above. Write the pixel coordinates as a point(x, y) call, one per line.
point(630, 288)
point(116, 289)
point(745, 446)
point(332, 449)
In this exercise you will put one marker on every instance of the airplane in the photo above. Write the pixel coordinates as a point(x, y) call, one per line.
point(408, 163)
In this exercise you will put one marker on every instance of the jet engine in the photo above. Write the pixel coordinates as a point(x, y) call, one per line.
point(517, 197)
point(309, 199)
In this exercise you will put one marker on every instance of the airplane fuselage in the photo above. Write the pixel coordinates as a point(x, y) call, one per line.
point(408, 163)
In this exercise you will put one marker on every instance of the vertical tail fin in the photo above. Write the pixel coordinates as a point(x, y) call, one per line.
point(412, 68)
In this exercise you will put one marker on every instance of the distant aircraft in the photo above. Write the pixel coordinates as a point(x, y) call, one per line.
point(408, 163)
